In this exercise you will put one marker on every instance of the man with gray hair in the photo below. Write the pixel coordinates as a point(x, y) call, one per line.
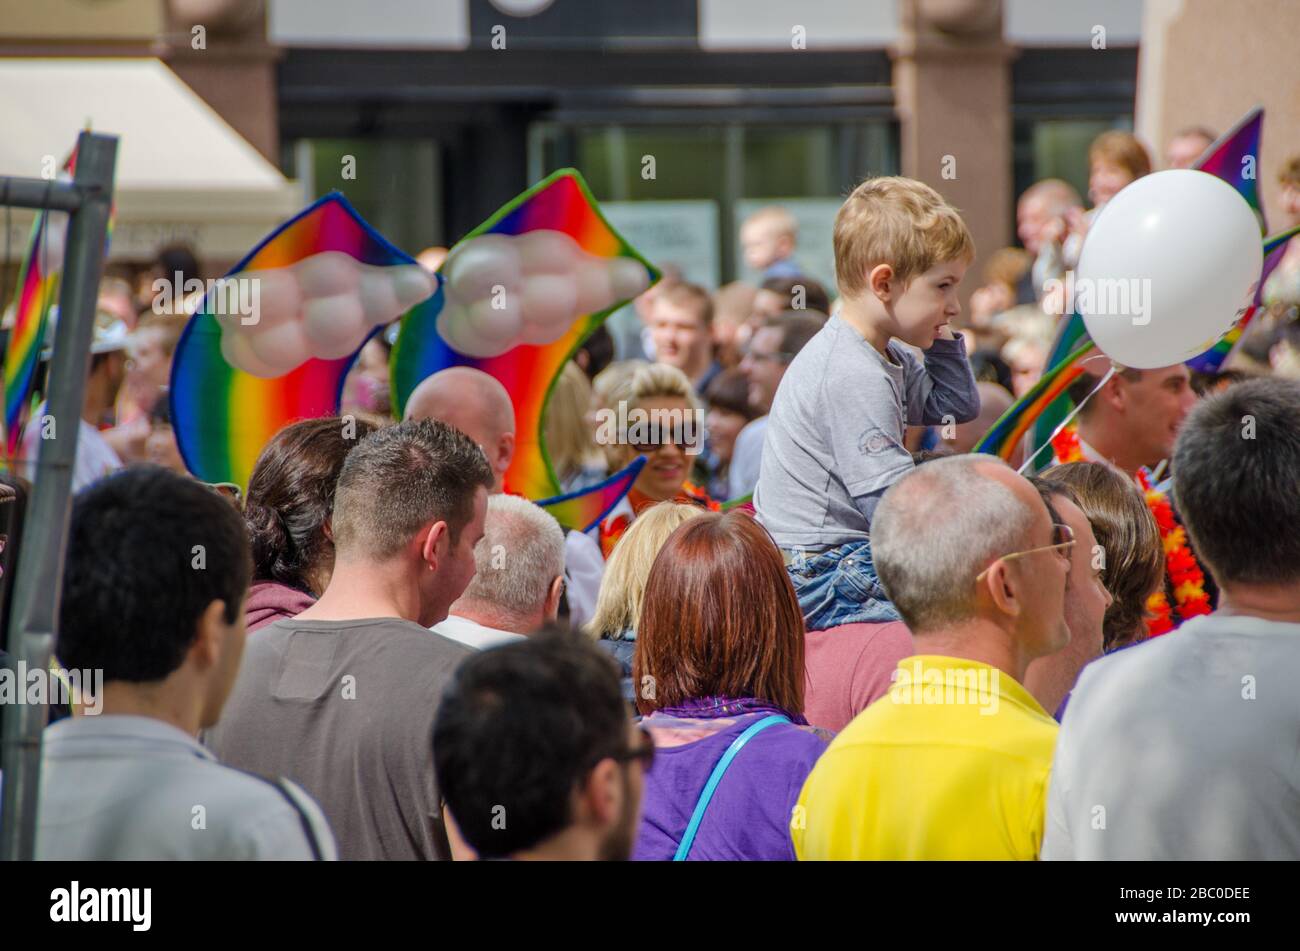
point(341, 698)
point(953, 762)
point(518, 577)
point(1184, 747)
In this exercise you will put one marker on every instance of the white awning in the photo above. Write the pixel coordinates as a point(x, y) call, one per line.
point(183, 174)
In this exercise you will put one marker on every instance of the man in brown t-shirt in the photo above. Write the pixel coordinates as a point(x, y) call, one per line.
point(341, 699)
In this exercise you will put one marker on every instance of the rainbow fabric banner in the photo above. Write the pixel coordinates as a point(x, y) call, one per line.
point(1005, 434)
point(1211, 360)
point(1235, 159)
point(223, 416)
point(561, 202)
point(37, 292)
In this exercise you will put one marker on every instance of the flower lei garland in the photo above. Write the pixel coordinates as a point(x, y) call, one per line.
point(612, 529)
point(1184, 575)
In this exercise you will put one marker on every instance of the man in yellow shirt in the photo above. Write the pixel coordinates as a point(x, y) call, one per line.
point(954, 762)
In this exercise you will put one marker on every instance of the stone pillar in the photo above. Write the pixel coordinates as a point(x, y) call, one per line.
point(952, 86)
point(234, 72)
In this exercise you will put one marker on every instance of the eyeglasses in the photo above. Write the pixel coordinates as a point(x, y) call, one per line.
point(1062, 537)
point(674, 438)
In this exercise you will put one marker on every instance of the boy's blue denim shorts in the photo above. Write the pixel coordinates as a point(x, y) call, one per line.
point(839, 586)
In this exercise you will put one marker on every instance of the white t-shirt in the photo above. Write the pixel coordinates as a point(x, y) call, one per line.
point(1183, 747)
point(472, 634)
point(95, 457)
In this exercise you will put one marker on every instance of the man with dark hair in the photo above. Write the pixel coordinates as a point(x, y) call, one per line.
point(1183, 747)
point(776, 342)
point(153, 596)
point(536, 754)
point(341, 698)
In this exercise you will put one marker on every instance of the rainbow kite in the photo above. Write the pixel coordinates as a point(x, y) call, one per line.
point(561, 202)
point(1005, 434)
point(223, 416)
point(36, 293)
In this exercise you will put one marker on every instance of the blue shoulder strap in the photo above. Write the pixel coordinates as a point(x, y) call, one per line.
point(688, 839)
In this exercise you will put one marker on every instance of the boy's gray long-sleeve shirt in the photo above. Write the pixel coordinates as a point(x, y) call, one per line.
point(834, 440)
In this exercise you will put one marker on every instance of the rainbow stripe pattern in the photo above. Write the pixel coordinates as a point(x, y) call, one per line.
point(560, 202)
point(1212, 359)
point(1235, 159)
point(1005, 434)
point(37, 291)
point(223, 416)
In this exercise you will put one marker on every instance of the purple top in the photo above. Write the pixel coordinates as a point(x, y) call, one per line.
point(749, 817)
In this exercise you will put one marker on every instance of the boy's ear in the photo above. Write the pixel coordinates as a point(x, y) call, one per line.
point(881, 281)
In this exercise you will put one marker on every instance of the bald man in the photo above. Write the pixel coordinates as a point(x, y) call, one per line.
point(476, 404)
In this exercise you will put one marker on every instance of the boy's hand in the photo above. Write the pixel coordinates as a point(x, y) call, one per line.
point(945, 333)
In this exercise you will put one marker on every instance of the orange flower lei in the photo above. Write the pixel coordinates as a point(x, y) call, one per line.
point(612, 529)
point(1184, 576)
point(1065, 445)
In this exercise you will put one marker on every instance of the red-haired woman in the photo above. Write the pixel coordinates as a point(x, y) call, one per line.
point(719, 676)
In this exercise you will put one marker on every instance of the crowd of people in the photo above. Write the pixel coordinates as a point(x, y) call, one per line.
point(886, 647)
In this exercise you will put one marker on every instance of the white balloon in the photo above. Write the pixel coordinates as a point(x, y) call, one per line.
point(550, 303)
point(547, 252)
point(628, 277)
point(501, 325)
point(1167, 268)
point(275, 294)
point(475, 266)
point(456, 326)
point(239, 354)
point(284, 345)
point(334, 326)
point(328, 274)
point(411, 284)
point(379, 297)
point(595, 287)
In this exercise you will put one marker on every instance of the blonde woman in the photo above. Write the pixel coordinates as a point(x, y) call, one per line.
point(618, 607)
point(651, 412)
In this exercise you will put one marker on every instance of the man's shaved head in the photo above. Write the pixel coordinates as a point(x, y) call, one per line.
point(476, 404)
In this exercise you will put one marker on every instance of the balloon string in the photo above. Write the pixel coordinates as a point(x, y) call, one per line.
point(1066, 422)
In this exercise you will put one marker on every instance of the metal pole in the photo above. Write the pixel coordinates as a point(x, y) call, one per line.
point(40, 570)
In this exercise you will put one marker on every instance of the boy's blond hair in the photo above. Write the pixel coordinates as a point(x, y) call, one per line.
point(900, 222)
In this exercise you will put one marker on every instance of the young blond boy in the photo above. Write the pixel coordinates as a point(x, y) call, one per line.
point(834, 439)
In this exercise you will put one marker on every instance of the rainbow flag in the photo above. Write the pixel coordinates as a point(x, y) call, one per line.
point(1005, 435)
point(561, 202)
point(37, 292)
point(223, 416)
point(1211, 360)
point(1235, 159)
